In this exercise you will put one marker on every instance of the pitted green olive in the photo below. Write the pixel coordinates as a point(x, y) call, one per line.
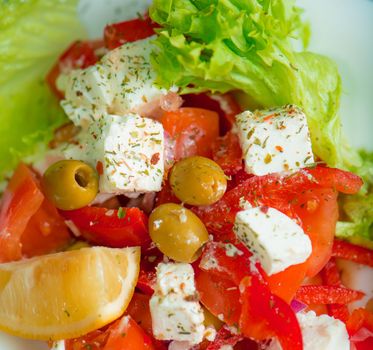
point(177, 232)
point(198, 181)
point(70, 184)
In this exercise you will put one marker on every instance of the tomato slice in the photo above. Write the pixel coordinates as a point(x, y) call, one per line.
point(29, 223)
point(80, 54)
point(265, 315)
point(124, 333)
point(116, 228)
point(224, 104)
point(117, 34)
point(318, 212)
point(227, 153)
point(139, 310)
point(219, 295)
point(193, 129)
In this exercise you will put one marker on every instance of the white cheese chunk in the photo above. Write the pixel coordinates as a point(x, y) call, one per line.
point(275, 240)
point(319, 332)
point(120, 83)
point(174, 307)
point(128, 151)
point(274, 140)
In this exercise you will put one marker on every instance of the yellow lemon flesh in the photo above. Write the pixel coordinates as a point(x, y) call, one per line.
point(69, 294)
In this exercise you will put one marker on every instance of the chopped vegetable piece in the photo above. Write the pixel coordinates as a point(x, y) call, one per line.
point(117, 34)
point(29, 224)
point(359, 318)
point(348, 251)
point(327, 295)
point(104, 227)
point(227, 153)
point(224, 338)
point(331, 277)
point(193, 129)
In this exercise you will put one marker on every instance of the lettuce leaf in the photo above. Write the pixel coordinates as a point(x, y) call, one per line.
point(247, 45)
point(33, 33)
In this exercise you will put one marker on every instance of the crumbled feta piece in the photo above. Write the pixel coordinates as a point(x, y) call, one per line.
point(175, 278)
point(319, 332)
point(274, 140)
point(174, 307)
point(58, 345)
point(127, 151)
point(275, 240)
point(120, 83)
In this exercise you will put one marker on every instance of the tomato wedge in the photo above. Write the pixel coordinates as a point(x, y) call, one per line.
point(117, 34)
point(193, 130)
point(29, 224)
point(124, 333)
point(116, 228)
point(227, 153)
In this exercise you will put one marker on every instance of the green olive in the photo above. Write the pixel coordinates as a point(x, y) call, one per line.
point(70, 184)
point(198, 181)
point(177, 232)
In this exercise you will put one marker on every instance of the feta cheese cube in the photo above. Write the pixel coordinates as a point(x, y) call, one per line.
point(120, 83)
point(175, 278)
point(319, 332)
point(175, 310)
point(275, 240)
point(274, 140)
point(127, 151)
point(88, 94)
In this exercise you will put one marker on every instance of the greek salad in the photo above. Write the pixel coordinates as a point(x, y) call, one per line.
point(195, 191)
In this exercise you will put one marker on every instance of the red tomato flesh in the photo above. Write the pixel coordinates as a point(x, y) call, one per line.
point(29, 224)
point(108, 227)
point(193, 130)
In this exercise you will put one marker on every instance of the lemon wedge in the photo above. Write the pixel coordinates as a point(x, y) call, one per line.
point(69, 294)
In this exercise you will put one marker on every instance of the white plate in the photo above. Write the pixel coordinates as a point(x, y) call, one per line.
point(341, 29)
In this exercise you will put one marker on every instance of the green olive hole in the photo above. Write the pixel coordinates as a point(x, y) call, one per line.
point(81, 178)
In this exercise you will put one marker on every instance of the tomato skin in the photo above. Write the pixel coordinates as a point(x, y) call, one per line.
point(318, 212)
point(127, 334)
point(284, 284)
point(219, 295)
point(117, 34)
point(124, 333)
point(80, 54)
point(224, 104)
point(193, 129)
point(227, 153)
point(29, 224)
point(103, 226)
point(224, 337)
point(139, 310)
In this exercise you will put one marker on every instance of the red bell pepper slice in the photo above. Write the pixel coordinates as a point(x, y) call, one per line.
point(117, 34)
point(224, 338)
point(80, 54)
point(331, 277)
point(327, 295)
point(228, 154)
point(359, 318)
point(348, 251)
point(265, 315)
point(114, 228)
